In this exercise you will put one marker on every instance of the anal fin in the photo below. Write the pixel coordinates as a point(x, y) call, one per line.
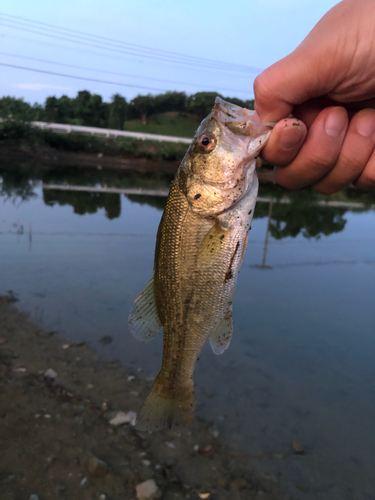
point(144, 322)
point(221, 338)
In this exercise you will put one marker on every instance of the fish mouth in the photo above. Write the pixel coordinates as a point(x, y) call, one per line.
point(238, 120)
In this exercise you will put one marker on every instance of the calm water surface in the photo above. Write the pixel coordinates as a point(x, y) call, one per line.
point(301, 364)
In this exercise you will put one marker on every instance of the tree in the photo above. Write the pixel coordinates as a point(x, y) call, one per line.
point(117, 112)
point(16, 109)
point(89, 109)
point(170, 101)
point(201, 103)
point(142, 106)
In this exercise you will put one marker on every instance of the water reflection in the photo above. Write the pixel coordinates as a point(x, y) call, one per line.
point(289, 213)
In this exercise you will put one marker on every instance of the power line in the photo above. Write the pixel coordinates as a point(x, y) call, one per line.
point(114, 73)
point(127, 44)
point(81, 77)
point(122, 47)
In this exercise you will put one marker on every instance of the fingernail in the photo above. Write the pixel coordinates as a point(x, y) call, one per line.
point(366, 126)
point(336, 122)
point(290, 137)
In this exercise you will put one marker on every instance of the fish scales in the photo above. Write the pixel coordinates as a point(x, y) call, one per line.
point(200, 245)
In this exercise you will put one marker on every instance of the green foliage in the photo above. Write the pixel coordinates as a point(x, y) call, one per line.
point(141, 107)
point(15, 132)
point(117, 112)
point(171, 123)
point(146, 113)
point(201, 103)
point(16, 109)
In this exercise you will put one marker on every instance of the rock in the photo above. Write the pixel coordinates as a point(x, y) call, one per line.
point(124, 418)
point(84, 481)
point(147, 490)
point(239, 483)
point(97, 467)
point(207, 450)
point(50, 374)
point(298, 447)
point(107, 339)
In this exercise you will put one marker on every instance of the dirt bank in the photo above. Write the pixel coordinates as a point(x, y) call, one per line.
point(51, 158)
point(54, 428)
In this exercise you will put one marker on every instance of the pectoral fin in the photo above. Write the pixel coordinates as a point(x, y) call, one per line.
point(144, 322)
point(220, 340)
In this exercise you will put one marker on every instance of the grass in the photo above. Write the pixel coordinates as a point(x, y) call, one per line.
point(170, 123)
point(19, 135)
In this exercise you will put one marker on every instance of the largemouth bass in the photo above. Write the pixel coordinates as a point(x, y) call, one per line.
point(200, 246)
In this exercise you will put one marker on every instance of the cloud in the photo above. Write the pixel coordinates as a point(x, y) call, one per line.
point(40, 86)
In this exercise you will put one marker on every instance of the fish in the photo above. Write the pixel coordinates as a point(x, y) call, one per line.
point(200, 246)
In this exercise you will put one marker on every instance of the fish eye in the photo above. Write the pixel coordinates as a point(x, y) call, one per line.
point(206, 142)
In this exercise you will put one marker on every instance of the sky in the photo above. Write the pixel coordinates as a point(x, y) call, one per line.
point(136, 47)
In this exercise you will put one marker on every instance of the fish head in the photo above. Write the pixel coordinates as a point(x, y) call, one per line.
point(219, 166)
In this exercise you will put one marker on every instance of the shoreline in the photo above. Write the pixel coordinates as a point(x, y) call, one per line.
point(51, 158)
point(54, 426)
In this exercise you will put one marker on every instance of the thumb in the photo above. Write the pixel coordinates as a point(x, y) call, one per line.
point(291, 81)
point(315, 67)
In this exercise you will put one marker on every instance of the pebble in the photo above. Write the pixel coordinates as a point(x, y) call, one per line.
point(170, 444)
point(2, 340)
point(97, 467)
point(214, 431)
point(124, 418)
point(65, 346)
point(147, 463)
point(204, 495)
point(298, 447)
point(34, 497)
point(47, 415)
point(84, 481)
point(51, 374)
point(102, 496)
point(21, 369)
point(131, 377)
point(207, 450)
point(147, 490)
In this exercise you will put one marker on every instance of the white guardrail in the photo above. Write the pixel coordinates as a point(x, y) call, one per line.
point(60, 128)
point(164, 193)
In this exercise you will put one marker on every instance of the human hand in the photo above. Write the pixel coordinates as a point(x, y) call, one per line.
point(328, 83)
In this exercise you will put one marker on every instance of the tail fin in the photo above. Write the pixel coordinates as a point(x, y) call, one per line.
point(164, 408)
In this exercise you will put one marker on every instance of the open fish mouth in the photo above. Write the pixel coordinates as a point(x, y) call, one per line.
point(238, 120)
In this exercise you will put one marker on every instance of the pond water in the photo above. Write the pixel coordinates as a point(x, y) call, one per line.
point(301, 361)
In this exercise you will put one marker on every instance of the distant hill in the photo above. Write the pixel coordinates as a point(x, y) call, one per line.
point(170, 123)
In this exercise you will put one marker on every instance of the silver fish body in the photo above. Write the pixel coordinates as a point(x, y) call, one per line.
point(200, 246)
